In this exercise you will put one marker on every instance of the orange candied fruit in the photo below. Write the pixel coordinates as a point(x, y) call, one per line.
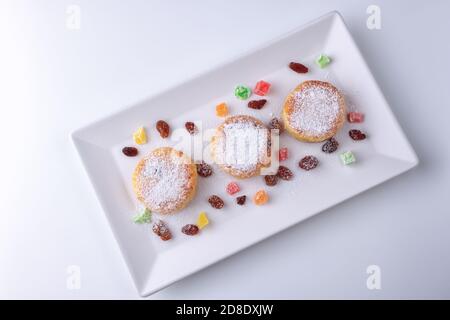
point(261, 197)
point(222, 109)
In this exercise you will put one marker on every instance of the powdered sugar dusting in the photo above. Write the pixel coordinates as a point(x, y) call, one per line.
point(243, 145)
point(164, 182)
point(315, 110)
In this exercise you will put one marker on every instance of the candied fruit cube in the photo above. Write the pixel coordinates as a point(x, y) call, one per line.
point(145, 216)
point(355, 117)
point(283, 154)
point(323, 60)
point(262, 88)
point(233, 188)
point(242, 92)
point(347, 157)
point(202, 220)
point(261, 197)
point(140, 136)
point(222, 110)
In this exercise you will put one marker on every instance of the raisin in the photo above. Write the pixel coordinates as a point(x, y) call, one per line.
point(330, 146)
point(204, 169)
point(257, 104)
point(130, 151)
point(190, 229)
point(216, 202)
point(298, 67)
point(276, 124)
point(308, 163)
point(161, 230)
point(166, 236)
point(241, 200)
point(284, 173)
point(163, 128)
point(271, 180)
point(191, 127)
point(357, 134)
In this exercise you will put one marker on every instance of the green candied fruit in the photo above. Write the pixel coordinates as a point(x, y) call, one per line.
point(242, 92)
point(323, 60)
point(143, 217)
point(347, 157)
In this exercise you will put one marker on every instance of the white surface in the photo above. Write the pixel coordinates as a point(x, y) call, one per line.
point(155, 264)
point(54, 80)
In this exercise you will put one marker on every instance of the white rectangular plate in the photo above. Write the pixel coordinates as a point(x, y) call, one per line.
point(155, 264)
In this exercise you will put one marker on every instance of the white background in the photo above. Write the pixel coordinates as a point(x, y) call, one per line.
point(54, 80)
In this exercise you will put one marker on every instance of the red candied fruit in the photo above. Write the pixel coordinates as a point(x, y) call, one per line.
point(283, 154)
point(262, 88)
point(233, 188)
point(355, 117)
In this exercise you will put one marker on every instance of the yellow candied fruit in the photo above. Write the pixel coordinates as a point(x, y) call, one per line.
point(261, 197)
point(139, 136)
point(222, 109)
point(202, 220)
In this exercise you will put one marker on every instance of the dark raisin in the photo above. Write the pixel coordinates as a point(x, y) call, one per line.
point(271, 180)
point(330, 146)
point(257, 104)
point(204, 169)
point(190, 229)
point(161, 230)
point(216, 202)
point(308, 163)
point(357, 134)
point(241, 200)
point(298, 67)
point(163, 128)
point(166, 236)
point(130, 151)
point(191, 127)
point(276, 124)
point(284, 173)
